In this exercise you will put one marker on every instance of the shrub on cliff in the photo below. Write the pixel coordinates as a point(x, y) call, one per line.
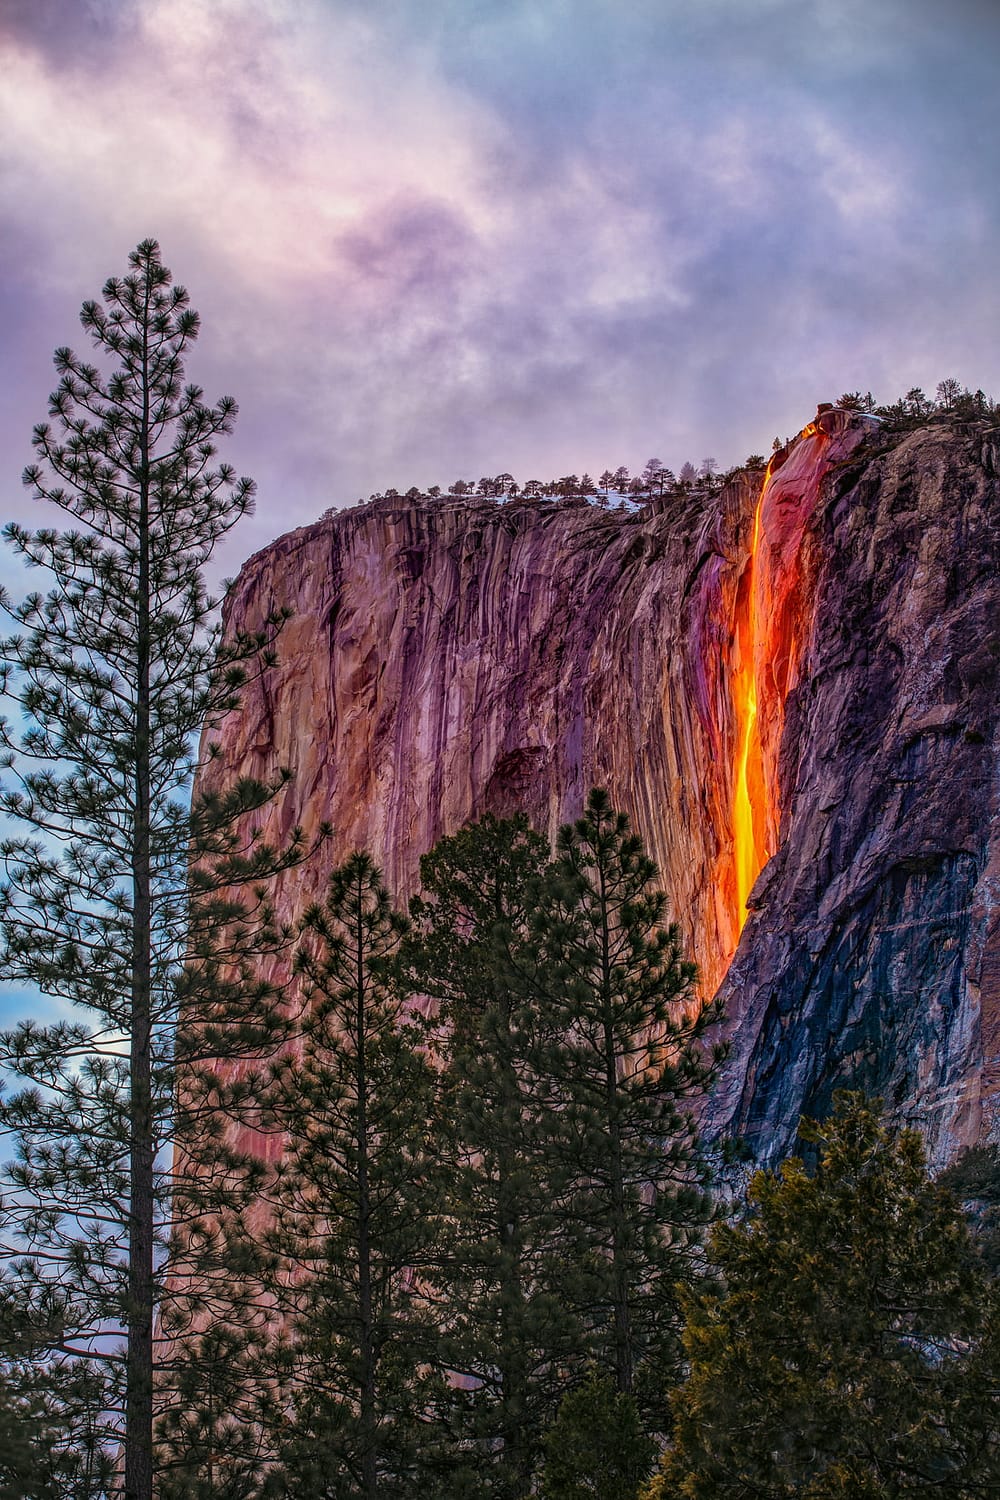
point(854, 1348)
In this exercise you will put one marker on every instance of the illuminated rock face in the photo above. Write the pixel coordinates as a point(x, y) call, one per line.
point(872, 952)
point(449, 659)
point(804, 674)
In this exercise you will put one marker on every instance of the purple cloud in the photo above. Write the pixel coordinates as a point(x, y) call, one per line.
point(512, 236)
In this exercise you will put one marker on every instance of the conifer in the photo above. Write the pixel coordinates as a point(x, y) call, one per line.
point(596, 1446)
point(118, 901)
point(508, 1336)
point(852, 1343)
point(356, 1211)
point(620, 1050)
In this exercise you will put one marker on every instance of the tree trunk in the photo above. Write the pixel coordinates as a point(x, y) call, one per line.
point(619, 1226)
point(369, 1465)
point(139, 1359)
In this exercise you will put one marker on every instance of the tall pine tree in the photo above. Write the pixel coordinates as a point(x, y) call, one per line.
point(621, 1050)
point(115, 670)
point(508, 1333)
point(357, 1221)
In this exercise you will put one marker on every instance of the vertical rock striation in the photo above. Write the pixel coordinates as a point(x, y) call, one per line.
point(802, 679)
point(871, 955)
point(449, 659)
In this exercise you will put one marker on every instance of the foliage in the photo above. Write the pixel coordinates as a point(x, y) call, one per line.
point(621, 1047)
point(975, 1179)
point(51, 1444)
point(854, 1348)
point(214, 1437)
point(356, 1197)
point(28, 1432)
point(596, 1447)
point(914, 409)
point(115, 671)
point(51, 1436)
point(507, 1330)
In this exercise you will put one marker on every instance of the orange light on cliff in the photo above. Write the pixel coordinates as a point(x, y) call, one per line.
point(749, 796)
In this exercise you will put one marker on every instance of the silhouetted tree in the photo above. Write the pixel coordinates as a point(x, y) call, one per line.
point(507, 1330)
point(620, 1050)
point(652, 474)
point(357, 1198)
point(118, 899)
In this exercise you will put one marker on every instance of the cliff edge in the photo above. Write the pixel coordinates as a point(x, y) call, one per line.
point(791, 688)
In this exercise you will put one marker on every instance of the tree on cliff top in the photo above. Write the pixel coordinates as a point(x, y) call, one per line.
point(115, 671)
point(854, 1349)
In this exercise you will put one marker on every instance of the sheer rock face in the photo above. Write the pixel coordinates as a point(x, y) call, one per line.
point(449, 659)
point(445, 659)
point(872, 953)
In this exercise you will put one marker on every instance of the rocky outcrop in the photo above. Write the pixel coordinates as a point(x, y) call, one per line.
point(448, 659)
point(804, 681)
point(872, 952)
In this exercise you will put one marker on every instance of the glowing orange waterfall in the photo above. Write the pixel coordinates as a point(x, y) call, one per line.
point(769, 634)
point(749, 810)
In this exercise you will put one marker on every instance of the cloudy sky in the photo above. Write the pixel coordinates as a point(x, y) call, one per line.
point(434, 239)
point(444, 239)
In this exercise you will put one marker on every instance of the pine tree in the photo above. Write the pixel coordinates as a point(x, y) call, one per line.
point(596, 1446)
point(356, 1210)
point(52, 1443)
point(975, 1179)
point(118, 901)
point(507, 1333)
point(621, 1050)
point(853, 1347)
point(215, 1438)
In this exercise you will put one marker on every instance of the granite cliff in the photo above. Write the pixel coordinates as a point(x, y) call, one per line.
point(793, 692)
